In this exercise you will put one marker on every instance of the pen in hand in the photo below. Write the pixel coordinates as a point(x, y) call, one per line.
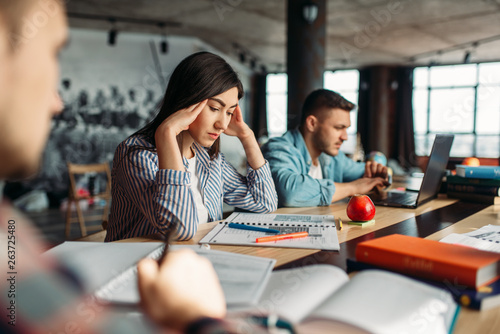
point(166, 238)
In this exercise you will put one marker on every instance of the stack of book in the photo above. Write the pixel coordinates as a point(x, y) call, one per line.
point(479, 184)
point(470, 275)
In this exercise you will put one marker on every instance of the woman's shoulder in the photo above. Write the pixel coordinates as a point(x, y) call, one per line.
point(136, 141)
point(135, 147)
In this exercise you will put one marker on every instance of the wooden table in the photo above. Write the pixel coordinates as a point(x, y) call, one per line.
point(433, 220)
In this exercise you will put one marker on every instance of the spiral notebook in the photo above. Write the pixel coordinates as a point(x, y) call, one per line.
point(321, 229)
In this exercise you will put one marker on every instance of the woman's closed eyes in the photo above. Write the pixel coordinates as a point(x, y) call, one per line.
point(214, 109)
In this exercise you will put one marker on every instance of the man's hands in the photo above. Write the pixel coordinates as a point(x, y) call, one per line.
point(359, 186)
point(366, 184)
point(181, 290)
point(374, 169)
point(375, 175)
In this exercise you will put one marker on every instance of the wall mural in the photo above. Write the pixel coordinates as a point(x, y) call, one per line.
point(88, 130)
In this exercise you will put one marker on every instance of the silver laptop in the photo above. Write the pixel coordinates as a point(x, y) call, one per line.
point(431, 182)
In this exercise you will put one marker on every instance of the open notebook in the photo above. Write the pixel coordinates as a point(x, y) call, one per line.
point(108, 270)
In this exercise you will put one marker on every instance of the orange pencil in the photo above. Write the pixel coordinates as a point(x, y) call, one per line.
point(282, 237)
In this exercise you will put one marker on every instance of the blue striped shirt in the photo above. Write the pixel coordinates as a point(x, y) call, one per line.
point(148, 200)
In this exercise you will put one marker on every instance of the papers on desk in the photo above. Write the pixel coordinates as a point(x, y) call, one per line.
point(108, 270)
point(321, 229)
point(486, 238)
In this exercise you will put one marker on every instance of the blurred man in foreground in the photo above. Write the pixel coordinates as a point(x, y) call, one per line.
point(38, 294)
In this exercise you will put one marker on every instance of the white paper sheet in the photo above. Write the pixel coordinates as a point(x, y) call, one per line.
point(485, 238)
point(321, 229)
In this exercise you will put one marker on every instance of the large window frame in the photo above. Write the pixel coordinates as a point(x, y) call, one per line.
point(459, 99)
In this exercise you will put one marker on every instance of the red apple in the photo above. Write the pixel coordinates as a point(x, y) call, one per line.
point(360, 208)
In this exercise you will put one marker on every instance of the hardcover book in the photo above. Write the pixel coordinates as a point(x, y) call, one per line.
point(474, 189)
point(431, 259)
point(480, 172)
point(454, 179)
point(485, 298)
point(475, 198)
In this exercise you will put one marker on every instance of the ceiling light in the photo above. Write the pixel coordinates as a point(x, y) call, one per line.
point(467, 57)
point(253, 64)
point(310, 12)
point(243, 57)
point(163, 43)
point(113, 33)
point(112, 37)
point(164, 46)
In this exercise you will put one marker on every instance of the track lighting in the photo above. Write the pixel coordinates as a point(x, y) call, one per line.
point(253, 64)
point(467, 57)
point(243, 57)
point(164, 46)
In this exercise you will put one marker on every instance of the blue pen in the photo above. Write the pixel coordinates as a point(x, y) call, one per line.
point(252, 228)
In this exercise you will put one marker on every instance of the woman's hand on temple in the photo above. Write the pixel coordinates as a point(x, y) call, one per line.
point(237, 127)
point(179, 121)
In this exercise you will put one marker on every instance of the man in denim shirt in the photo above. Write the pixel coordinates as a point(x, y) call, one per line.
point(307, 165)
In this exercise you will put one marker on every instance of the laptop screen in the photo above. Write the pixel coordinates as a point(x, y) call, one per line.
point(436, 167)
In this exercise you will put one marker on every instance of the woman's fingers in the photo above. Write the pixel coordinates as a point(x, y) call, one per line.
point(237, 113)
point(197, 107)
point(200, 106)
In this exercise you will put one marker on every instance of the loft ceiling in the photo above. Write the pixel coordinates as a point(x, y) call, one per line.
point(359, 32)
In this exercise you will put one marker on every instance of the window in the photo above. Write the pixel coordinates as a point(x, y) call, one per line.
point(277, 85)
point(344, 82)
point(459, 99)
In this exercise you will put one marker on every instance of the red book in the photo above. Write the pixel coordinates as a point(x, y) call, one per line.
point(429, 259)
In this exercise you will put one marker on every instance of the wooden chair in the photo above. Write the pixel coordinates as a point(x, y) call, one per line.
point(74, 197)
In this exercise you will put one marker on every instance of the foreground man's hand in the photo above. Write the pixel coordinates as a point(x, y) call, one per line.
point(182, 289)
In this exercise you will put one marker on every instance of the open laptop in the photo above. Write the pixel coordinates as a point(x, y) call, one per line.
point(431, 182)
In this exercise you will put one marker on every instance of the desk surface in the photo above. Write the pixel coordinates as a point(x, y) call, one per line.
point(433, 220)
point(423, 221)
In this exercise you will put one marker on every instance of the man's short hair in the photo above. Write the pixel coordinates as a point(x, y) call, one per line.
point(320, 99)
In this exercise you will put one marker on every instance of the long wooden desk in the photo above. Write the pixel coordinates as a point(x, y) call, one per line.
point(426, 219)
point(433, 220)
